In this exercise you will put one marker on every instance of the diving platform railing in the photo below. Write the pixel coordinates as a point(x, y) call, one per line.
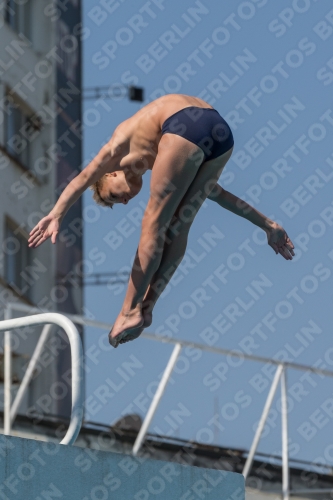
point(77, 368)
point(67, 323)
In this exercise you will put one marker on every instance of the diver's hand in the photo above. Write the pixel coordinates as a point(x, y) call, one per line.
point(280, 241)
point(48, 227)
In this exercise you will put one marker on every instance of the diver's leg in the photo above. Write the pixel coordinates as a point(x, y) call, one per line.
point(177, 163)
point(177, 234)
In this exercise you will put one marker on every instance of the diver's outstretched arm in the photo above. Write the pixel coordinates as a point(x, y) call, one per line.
point(276, 235)
point(48, 227)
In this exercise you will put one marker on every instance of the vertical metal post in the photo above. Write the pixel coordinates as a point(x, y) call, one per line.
point(29, 371)
point(284, 427)
point(262, 421)
point(156, 399)
point(7, 374)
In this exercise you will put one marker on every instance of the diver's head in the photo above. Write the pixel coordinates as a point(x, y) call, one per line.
point(116, 187)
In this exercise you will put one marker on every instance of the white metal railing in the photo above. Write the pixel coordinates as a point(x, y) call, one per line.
point(280, 378)
point(47, 319)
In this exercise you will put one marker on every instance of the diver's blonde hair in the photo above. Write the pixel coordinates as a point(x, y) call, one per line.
point(96, 187)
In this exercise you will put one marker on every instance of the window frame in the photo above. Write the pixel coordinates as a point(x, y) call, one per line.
point(12, 100)
point(17, 283)
point(18, 17)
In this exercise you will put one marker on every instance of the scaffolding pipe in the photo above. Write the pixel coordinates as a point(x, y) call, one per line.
point(262, 421)
point(156, 399)
point(29, 372)
point(7, 354)
point(284, 427)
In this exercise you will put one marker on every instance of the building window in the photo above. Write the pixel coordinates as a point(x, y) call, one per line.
point(17, 126)
point(17, 259)
point(18, 16)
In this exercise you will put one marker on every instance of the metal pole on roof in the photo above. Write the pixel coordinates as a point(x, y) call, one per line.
point(284, 427)
point(7, 373)
point(156, 399)
point(262, 421)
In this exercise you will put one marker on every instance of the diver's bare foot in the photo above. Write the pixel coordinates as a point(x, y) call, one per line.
point(124, 325)
point(147, 311)
point(136, 332)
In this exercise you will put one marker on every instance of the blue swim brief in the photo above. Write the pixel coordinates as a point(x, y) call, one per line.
point(205, 127)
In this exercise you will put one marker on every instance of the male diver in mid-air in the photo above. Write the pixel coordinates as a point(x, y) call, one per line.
point(186, 144)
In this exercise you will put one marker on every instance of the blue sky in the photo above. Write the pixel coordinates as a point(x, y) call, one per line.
point(267, 68)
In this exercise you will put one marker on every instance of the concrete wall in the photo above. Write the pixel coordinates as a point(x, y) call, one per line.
point(39, 471)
